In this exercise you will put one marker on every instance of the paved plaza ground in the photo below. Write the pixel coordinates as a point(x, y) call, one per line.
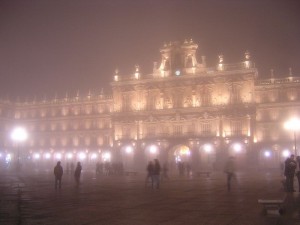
point(123, 200)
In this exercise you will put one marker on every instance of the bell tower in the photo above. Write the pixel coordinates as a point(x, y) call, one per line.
point(179, 59)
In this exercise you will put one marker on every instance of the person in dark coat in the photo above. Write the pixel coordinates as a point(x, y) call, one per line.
point(230, 170)
point(156, 173)
point(298, 171)
point(77, 173)
point(289, 172)
point(58, 172)
point(150, 168)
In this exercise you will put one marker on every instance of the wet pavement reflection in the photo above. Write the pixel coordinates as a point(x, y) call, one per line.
point(32, 199)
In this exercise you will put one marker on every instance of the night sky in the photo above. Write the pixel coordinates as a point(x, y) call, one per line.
point(50, 47)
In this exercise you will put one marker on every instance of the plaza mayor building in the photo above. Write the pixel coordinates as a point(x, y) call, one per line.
point(183, 111)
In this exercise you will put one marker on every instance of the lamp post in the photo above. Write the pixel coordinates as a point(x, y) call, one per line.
point(293, 125)
point(19, 135)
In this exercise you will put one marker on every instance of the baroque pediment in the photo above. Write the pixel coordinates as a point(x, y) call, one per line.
point(206, 116)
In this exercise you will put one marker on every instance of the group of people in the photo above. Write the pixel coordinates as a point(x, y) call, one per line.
point(292, 169)
point(58, 173)
point(153, 173)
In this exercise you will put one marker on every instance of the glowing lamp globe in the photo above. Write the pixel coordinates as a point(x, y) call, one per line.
point(19, 134)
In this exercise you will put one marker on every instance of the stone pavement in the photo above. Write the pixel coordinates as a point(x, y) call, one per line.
point(124, 200)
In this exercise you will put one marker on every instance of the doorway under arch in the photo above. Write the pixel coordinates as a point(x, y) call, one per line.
point(179, 159)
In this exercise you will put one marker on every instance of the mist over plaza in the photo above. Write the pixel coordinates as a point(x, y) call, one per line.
point(52, 48)
point(111, 87)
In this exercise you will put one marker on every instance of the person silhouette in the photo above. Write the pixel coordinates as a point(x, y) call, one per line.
point(290, 166)
point(58, 172)
point(150, 168)
point(77, 173)
point(230, 169)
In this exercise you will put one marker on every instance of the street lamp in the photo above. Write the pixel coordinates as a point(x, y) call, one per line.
point(293, 125)
point(19, 135)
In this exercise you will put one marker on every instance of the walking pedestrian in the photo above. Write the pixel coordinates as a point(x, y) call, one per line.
point(58, 172)
point(230, 169)
point(77, 173)
point(156, 173)
point(298, 171)
point(150, 168)
point(289, 172)
point(97, 167)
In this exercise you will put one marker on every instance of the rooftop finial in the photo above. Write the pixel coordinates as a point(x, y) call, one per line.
point(221, 58)
point(116, 71)
point(247, 55)
point(272, 73)
point(137, 72)
point(116, 75)
point(290, 72)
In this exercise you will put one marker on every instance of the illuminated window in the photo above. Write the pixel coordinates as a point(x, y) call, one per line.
point(42, 112)
point(53, 126)
point(76, 110)
point(87, 141)
point(75, 141)
point(88, 109)
point(64, 141)
point(65, 111)
point(64, 126)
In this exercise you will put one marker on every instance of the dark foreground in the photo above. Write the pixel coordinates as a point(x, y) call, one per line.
point(32, 199)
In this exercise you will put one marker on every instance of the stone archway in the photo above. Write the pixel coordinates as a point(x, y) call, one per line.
point(179, 159)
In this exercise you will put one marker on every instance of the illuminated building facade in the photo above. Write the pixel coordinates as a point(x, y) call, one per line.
point(184, 111)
